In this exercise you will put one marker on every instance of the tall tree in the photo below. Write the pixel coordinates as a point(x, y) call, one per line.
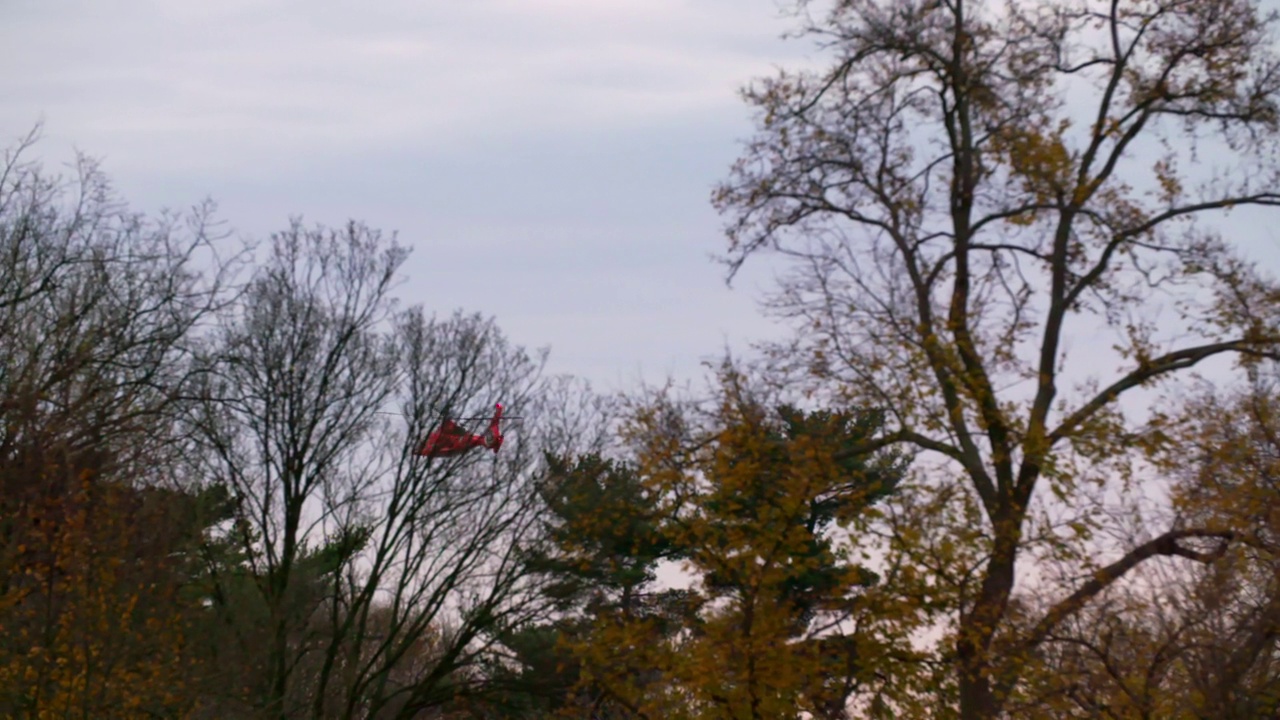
point(606, 540)
point(966, 188)
point(760, 508)
point(292, 386)
point(97, 307)
point(764, 507)
point(375, 577)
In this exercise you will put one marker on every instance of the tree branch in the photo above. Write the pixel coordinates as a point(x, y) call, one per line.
point(1166, 545)
point(1177, 360)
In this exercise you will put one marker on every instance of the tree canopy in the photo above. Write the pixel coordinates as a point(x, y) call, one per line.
point(1017, 457)
point(986, 205)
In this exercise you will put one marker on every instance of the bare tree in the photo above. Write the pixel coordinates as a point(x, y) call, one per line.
point(292, 382)
point(376, 577)
point(966, 189)
point(98, 305)
point(446, 558)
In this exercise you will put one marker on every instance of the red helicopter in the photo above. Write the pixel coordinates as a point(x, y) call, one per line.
point(451, 439)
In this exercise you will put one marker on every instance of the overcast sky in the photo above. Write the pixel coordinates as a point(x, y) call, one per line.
point(549, 160)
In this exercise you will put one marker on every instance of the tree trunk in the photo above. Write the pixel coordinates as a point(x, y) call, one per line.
point(977, 628)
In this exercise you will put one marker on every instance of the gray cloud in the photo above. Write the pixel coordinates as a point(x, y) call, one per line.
point(549, 159)
point(247, 80)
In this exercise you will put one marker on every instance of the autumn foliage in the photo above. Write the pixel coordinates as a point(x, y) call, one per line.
point(759, 507)
point(96, 621)
point(1018, 459)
